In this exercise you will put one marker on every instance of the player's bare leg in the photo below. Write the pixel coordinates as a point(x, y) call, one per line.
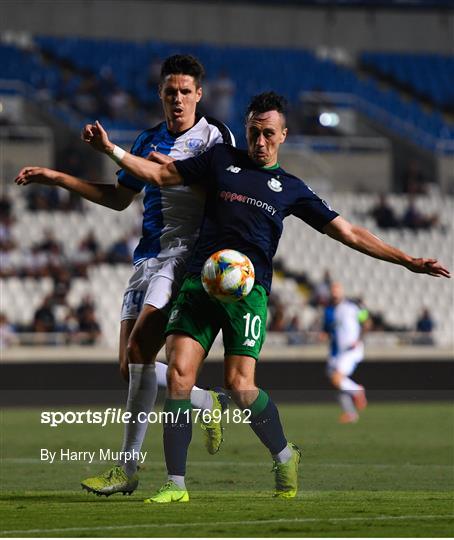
point(126, 327)
point(265, 422)
point(352, 397)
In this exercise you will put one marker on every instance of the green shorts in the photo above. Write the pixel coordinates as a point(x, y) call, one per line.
point(201, 316)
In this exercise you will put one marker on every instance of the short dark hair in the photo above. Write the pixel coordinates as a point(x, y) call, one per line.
point(267, 101)
point(183, 64)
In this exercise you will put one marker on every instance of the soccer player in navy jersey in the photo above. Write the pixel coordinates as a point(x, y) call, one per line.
point(248, 197)
point(170, 227)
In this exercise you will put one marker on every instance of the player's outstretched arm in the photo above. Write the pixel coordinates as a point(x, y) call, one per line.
point(363, 240)
point(154, 172)
point(116, 196)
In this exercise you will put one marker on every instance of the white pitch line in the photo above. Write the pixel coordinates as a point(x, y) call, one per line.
point(33, 461)
point(223, 523)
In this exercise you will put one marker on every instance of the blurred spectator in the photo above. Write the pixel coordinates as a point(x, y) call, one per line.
point(277, 323)
point(120, 251)
point(383, 214)
point(44, 318)
point(293, 329)
point(35, 263)
point(87, 303)
point(42, 198)
point(413, 179)
point(88, 252)
point(89, 327)
point(90, 245)
point(321, 291)
point(49, 244)
point(414, 219)
point(8, 336)
point(71, 325)
point(62, 285)
point(425, 324)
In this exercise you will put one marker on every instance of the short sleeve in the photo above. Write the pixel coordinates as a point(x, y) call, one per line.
point(199, 169)
point(312, 209)
point(126, 179)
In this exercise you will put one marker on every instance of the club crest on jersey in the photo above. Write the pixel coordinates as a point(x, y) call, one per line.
point(194, 146)
point(275, 185)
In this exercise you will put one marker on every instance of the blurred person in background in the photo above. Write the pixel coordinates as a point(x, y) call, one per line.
point(321, 290)
point(119, 252)
point(89, 330)
point(384, 214)
point(425, 325)
point(44, 318)
point(414, 219)
point(343, 324)
point(170, 228)
point(8, 337)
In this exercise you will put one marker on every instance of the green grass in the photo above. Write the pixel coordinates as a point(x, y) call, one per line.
point(389, 475)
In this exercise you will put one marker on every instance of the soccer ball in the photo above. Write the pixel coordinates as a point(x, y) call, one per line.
point(228, 275)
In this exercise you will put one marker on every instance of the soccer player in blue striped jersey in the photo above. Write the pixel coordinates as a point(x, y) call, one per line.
point(171, 220)
point(343, 322)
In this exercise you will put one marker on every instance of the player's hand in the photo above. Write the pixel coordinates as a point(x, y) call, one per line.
point(157, 157)
point(36, 175)
point(428, 266)
point(96, 136)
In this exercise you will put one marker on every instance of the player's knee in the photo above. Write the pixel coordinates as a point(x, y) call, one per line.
point(135, 353)
point(336, 378)
point(179, 381)
point(238, 382)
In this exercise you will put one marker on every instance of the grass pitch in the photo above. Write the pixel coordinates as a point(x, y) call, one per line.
point(392, 474)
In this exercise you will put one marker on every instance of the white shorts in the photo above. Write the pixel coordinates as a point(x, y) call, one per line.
point(346, 362)
point(155, 282)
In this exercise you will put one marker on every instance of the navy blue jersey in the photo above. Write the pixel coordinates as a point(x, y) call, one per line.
point(246, 205)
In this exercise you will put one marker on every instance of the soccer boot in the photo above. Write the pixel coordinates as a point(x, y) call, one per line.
point(115, 480)
point(359, 399)
point(168, 493)
point(286, 475)
point(213, 428)
point(348, 418)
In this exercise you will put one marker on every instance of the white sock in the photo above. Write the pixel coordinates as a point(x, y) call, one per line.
point(284, 455)
point(179, 480)
point(161, 374)
point(200, 399)
point(141, 398)
point(347, 385)
point(346, 402)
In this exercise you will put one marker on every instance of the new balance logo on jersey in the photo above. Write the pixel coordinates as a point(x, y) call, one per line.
point(233, 169)
point(249, 343)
